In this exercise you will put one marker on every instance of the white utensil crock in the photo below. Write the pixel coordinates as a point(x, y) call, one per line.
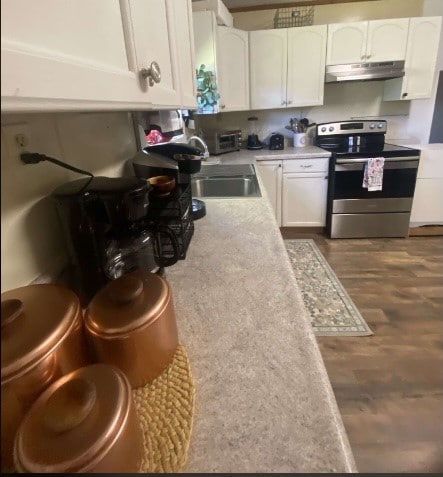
point(300, 139)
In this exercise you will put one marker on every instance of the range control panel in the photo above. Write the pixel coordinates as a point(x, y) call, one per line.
point(352, 127)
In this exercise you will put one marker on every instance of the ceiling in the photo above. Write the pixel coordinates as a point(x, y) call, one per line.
point(245, 5)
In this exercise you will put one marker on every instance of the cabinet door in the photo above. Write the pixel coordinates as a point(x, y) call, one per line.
point(270, 173)
point(421, 57)
point(268, 68)
point(304, 199)
point(306, 65)
point(346, 43)
point(387, 40)
point(205, 32)
point(152, 22)
point(59, 54)
point(427, 206)
point(233, 68)
point(184, 42)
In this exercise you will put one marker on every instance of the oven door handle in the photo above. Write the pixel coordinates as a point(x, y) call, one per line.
point(365, 159)
point(358, 164)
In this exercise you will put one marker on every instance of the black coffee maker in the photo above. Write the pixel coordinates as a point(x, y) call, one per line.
point(179, 210)
point(108, 231)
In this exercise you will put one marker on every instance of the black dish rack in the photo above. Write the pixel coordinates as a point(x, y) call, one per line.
point(175, 211)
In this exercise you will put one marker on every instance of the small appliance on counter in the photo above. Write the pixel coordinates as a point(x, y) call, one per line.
point(108, 231)
point(220, 142)
point(253, 141)
point(178, 210)
point(276, 142)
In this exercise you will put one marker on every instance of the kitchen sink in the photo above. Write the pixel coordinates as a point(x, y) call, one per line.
point(217, 180)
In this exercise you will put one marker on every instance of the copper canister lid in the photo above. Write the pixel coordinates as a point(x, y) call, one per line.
point(74, 423)
point(34, 320)
point(127, 303)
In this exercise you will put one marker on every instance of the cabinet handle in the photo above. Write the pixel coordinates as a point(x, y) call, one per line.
point(283, 103)
point(404, 95)
point(279, 165)
point(368, 56)
point(290, 102)
point(152, 73)
point(306, 166)
point(222, 106)
point(363, 57)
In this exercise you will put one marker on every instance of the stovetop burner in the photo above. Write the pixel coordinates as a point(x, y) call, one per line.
point(384, 150)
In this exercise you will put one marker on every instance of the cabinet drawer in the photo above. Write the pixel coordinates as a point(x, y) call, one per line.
point(306, 165)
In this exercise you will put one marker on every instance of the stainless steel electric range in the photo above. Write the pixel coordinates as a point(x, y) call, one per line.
point(352, 210)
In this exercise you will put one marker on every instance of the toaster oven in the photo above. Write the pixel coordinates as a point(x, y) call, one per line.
point(219, 142)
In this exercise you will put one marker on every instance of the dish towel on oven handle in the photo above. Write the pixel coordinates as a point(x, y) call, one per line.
point(373, 174)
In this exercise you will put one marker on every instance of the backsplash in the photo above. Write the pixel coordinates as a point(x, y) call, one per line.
point(360, 100)
point(32, 243)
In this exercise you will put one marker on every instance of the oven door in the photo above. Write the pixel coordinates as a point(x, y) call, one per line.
point(349, 196)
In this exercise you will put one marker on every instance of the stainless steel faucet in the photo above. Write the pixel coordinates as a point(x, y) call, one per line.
point(202, 143)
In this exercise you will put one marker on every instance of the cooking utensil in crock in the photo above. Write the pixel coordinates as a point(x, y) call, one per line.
point(42, 339)
point(84, 422)
point(131, 324)
point(306, 124)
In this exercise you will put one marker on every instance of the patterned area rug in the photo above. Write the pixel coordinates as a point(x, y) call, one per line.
point(333, 313)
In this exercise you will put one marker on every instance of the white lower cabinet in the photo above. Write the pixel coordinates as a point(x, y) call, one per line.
point(270, 173)
point(297, 190)
point(427, 206)
point(304, 199)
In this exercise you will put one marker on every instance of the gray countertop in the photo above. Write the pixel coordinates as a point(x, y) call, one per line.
point(247, 156)
point(264, 402)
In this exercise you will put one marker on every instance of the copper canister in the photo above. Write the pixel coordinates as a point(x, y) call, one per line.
point(42, 339)
point(84, 422)
point(131, 324)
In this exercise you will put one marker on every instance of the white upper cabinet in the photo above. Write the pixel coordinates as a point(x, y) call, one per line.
point(421, 57)
point(223, 51)
point(387, 39)
point(375, 40)
point(184, 29)
point(60, 55)
point(54, 51)
point(346, 43)
point(152, 23)
point(205, 49)
point(287, 67)
point(306, 65)
point(268, 62)
point(233, 68)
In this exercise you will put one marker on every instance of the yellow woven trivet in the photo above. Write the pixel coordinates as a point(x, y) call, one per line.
point(166, 408)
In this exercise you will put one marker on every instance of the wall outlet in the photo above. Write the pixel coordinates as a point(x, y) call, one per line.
point(18, 139)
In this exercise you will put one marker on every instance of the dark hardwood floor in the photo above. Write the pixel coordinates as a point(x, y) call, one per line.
point(389, 386)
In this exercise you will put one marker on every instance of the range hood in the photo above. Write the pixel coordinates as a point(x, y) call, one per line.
point(365, 71)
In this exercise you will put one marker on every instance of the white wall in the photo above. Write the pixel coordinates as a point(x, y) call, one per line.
point(341, 101)
point(32, 243)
